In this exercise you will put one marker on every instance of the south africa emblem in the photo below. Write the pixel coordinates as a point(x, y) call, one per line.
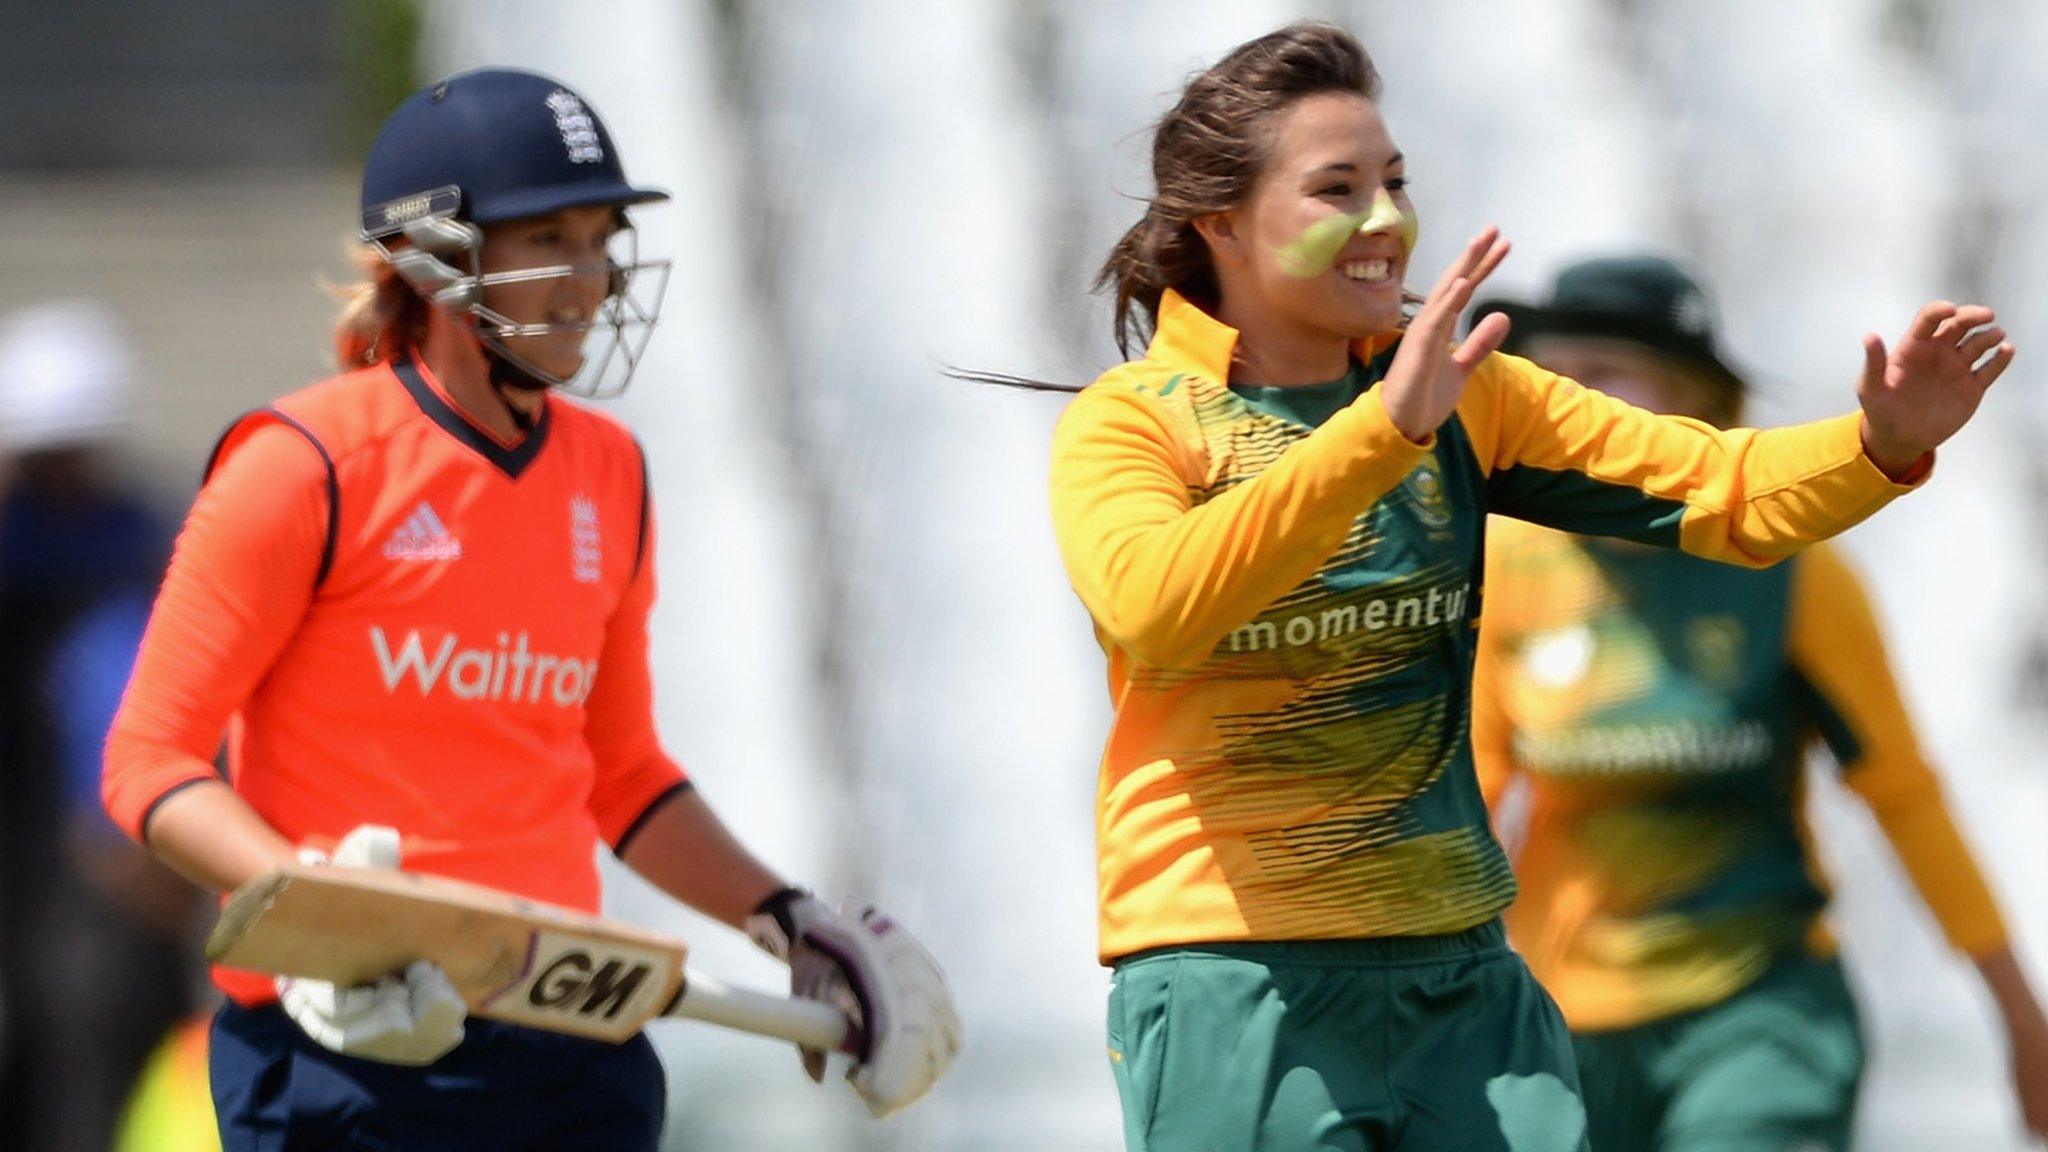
point(1425, 488)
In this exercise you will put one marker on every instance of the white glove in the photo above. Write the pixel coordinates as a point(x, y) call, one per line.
point(413, 1019)
point(869, 967)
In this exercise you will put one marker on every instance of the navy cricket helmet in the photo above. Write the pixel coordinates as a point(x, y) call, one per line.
point(511, 143)
point(493, 145)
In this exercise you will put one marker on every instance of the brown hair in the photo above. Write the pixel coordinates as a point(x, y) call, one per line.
point(1206, 155)
point(381, 314)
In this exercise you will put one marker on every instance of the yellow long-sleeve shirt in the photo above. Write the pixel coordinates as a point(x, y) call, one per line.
point(1659, 709)
point(1288, 615)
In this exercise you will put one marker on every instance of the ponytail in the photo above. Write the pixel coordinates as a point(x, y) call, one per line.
point(1157, 253)
point(381, 315)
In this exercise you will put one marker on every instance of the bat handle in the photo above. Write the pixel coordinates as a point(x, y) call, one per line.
point(805, 1022)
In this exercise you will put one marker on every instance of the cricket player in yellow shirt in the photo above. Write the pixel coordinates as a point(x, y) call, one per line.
point(1658, 709)
point(1275, 518)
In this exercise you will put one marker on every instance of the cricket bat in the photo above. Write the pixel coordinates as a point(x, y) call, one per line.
point(511, 959)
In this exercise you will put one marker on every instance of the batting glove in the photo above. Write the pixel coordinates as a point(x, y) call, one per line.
point(413, 1019)
point(869, 967)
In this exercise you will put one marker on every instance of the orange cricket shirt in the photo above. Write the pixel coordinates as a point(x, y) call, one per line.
point(398, 619)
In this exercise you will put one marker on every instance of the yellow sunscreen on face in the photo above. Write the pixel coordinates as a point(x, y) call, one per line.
point(1312, 252)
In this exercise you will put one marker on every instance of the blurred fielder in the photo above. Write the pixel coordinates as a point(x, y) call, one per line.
point(1658, 709)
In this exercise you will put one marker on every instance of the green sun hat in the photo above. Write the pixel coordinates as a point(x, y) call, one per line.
point(1646, 300)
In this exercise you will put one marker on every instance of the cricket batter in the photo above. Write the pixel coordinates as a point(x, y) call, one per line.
point(1275, 518)
point(1658, 709)
point(416, 595)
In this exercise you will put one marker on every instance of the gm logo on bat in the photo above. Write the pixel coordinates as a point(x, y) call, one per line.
point(576, 982)
point(591, 986)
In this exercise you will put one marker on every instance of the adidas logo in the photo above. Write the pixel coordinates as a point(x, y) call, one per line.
point(422, 537)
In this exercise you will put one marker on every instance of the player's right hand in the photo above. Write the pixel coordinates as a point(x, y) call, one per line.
point(868, 966)
point(413, 1019)
point(1428, 375)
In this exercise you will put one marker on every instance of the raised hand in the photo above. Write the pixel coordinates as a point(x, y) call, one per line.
point(1428, 375)
point(1927, 388)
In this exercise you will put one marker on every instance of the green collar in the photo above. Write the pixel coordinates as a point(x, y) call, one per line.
point(1312, 404)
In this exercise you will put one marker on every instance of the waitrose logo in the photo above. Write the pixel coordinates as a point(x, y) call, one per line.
point(507, 671)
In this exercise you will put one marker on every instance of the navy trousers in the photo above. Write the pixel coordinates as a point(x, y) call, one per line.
point(504, 1087)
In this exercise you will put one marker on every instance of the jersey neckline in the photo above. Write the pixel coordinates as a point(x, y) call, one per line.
point(511, 460)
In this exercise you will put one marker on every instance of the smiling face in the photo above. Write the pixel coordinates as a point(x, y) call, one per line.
point(1322, 243)
point(574, 242)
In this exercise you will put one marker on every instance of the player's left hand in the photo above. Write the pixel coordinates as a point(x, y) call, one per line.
point(1927, 388)
point(869, 967)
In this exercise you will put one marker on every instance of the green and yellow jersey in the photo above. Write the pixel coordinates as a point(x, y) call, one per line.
point(1660, 709)
point(1287, 601)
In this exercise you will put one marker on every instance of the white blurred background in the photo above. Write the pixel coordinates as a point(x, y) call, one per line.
point(866, 651)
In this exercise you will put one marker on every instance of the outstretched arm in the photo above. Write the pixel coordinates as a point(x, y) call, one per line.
point(1565, 456)
point(1839, 652)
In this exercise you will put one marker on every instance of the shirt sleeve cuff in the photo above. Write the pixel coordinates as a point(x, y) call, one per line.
point(1380, 432)
point(146, 812)
point(619, 833)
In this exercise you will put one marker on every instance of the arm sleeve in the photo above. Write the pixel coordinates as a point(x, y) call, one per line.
point(1166, 578)
point(1855, 702)
point(632, 770)
point(1573, 458)
point(240, 579)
